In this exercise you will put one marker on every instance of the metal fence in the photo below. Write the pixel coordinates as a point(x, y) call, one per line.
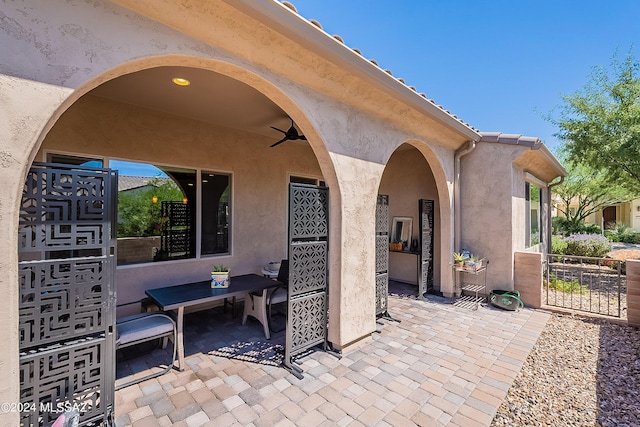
point(593, 285)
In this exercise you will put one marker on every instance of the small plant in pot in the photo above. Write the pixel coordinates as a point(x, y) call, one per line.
point(220, 276)
point(458, 259)
point(473, 263)
point(396, 245)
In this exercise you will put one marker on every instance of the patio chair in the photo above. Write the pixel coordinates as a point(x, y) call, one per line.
point(279, 294)
point(258, 305)
point(143, 327)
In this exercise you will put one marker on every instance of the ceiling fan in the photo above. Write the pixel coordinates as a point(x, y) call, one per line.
point(290, 135)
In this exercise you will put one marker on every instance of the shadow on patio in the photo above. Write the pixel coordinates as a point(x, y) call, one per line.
point(441, 365)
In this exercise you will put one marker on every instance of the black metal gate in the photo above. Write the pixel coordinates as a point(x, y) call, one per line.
point(308, 270)
point(67, 293)
point(382, 255)
point(426, 247)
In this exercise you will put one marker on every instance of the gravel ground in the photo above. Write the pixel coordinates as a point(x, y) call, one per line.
point(581, 372)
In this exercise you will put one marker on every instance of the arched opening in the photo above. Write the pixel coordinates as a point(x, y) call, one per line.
point(410, 181)
point(210, 143)
point(221, 154)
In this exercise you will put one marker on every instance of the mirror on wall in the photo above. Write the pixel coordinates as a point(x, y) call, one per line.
point(402, 229)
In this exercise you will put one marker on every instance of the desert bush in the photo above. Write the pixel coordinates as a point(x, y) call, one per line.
point(558, 245)
point(591, 245)
point(560, 225)
point(565, 285)
point(621, 233)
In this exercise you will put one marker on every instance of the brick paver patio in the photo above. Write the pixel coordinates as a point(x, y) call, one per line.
point(440, 365)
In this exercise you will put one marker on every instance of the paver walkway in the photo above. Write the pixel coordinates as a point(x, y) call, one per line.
point(441, 365)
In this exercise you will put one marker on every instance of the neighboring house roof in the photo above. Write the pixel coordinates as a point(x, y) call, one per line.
point(126, 183)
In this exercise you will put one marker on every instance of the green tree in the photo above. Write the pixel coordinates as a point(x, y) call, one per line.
point(600, 124)
point(585, 191)
point(137, 215)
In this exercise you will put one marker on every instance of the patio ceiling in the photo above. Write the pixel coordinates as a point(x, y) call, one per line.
point(211, 97)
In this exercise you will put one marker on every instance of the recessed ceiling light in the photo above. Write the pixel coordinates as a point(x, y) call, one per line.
point(180, 81)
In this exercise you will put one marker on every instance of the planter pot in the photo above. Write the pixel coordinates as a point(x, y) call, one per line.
point(506, 300)
point(219, 279)
point(473, 266)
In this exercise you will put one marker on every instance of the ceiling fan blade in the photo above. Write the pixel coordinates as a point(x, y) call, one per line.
point(279, 142)
point(302, 137)
point(279, 130)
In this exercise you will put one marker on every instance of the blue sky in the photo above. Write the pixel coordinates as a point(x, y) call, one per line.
point(498, 65)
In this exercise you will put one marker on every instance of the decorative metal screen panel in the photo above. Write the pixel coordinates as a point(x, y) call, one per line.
point(382, 254)
point(309, 314)
point(310, 272)
point(308, 246)
point(64, 208)
point(426, 244)
point(382, 293)
point(309, 211)
point(46, 375)
point(175, 241)
point(382, 214)
point(67, 292)
point(62, 299)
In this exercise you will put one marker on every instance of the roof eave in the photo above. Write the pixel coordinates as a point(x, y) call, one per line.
point(295, 27)
point(532, 142)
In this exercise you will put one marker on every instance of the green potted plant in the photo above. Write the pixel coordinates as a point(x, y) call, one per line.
point(473, 263)
point(458, 259)
point(220, 276)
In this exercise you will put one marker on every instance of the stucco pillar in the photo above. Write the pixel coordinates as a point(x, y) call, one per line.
point(25, 107)
point(352, 250)
point(633, 292)
point(528, 277)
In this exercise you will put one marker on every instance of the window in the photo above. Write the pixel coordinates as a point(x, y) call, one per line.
point(216, 190)
point(306, 180)
point(533, 211)
point(157, 210)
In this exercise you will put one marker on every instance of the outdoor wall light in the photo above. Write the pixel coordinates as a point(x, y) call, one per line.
point(184, 200)
point(180, 81)
point(154, 199)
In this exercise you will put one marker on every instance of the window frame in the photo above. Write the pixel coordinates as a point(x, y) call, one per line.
point(532, 180)
point(106, 162)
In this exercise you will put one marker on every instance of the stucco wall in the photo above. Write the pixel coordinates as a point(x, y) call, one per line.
point(493, 209)
point(54, 52)
point(102, 128)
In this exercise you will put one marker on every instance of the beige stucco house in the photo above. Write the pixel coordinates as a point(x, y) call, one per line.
point(92, 79)
point(626, 213)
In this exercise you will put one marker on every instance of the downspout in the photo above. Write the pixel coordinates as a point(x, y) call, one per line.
point(457, 220)
point(549, 225)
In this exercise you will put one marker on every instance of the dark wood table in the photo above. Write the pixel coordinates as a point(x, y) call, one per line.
point(179, 297)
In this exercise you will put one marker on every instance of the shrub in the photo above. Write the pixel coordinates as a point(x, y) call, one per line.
point(630, 237)
point(621, 233)
point(591, 245)
point(565, 286)
point(560, 225)
point(558, 245)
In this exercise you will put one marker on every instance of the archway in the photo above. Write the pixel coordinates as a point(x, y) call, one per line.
point(411, 182)
point(108, 127)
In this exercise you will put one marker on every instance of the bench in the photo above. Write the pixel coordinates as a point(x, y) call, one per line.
point(143, 327)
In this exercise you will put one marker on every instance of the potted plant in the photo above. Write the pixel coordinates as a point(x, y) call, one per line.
point(395, 246)
point(220, 276)
point(458, 259)
point(473, 263)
